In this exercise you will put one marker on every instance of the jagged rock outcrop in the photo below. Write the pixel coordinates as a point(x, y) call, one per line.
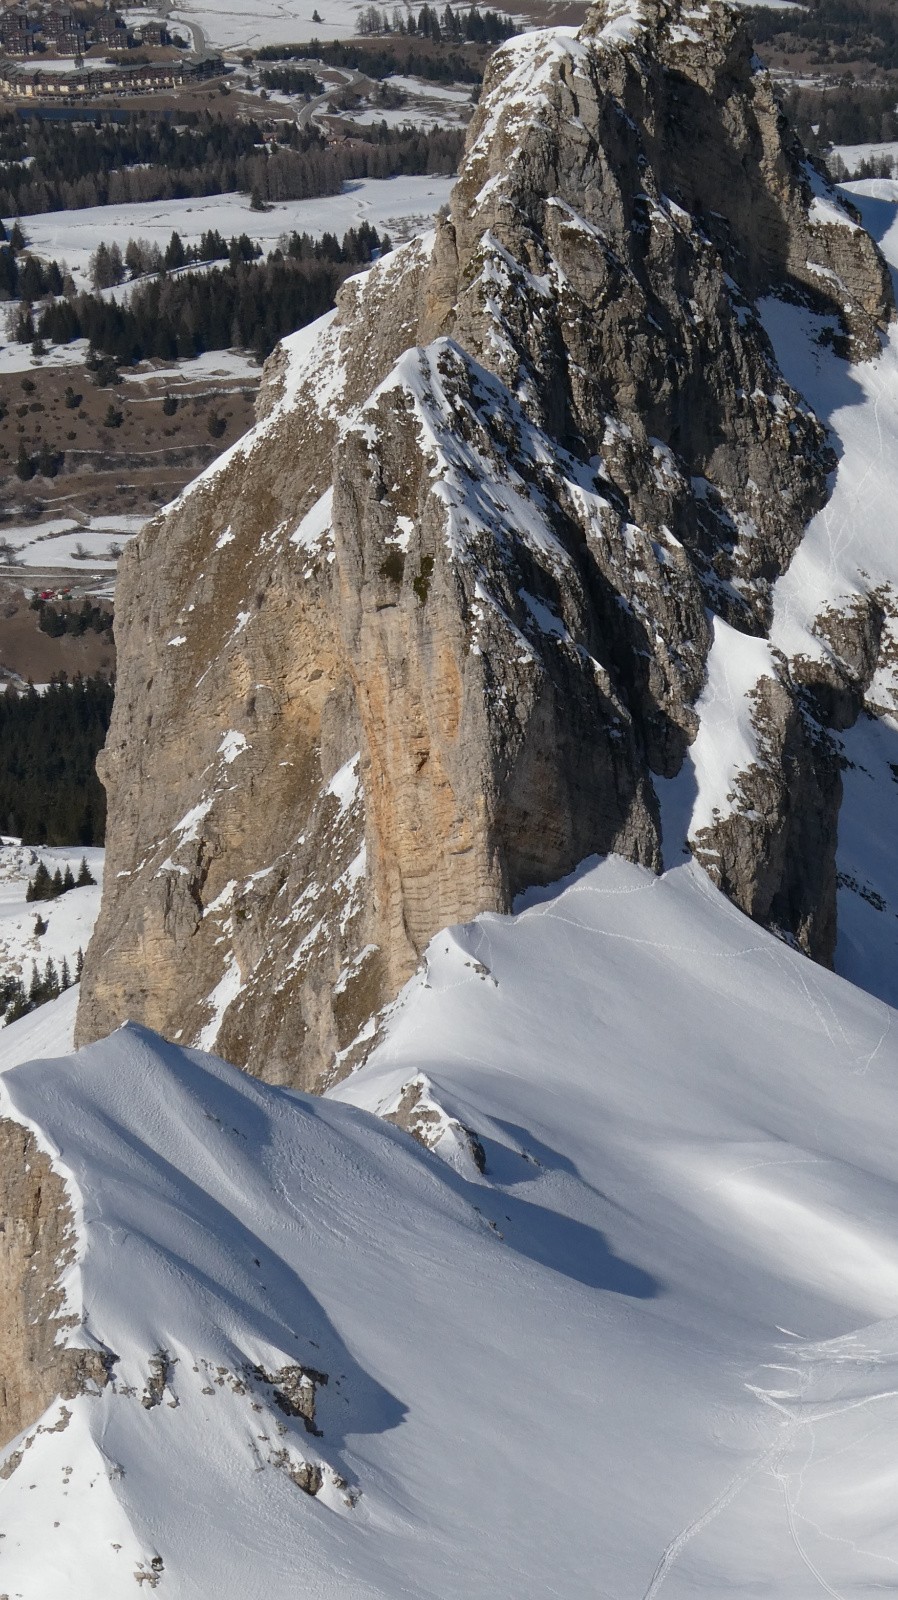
point(426, 635)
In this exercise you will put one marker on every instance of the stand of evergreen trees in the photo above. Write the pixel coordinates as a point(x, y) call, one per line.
point(405, 56)
point(246, 304)
point(88, 164)
point(291, 80)
point(22, 276)
point(49, 886)
point(850, 113)
point(49, 789)
point(72, 167)
point(471, 26)
point(73, 619)
point(16, 1001)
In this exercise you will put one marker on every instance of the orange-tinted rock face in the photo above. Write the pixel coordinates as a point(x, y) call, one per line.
point(424, 637)
point(36, 1244)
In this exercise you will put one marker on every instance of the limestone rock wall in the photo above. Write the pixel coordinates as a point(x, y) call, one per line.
point(36, 1243)
point(426, 635)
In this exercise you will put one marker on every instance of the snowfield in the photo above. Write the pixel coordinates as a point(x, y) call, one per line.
point(63, 542)
point(654, 1346)
point(853, 155)
point(401, 206)
point(257, 22)
point(70, 918)
point(288, 21)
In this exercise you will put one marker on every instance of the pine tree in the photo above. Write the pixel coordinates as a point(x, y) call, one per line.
point(55, 885)
point(85, 877)
point(17, 1004)
point(68, 880)
point(175, 255)
point(65, 976)
point(79, 965)
point(39, 887)
point(24, 463)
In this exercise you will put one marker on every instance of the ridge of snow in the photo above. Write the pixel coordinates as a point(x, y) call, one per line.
point(316, 524)
point(233, 744)
point(626, 22)
point(682, 1250)
point(345, 784)
point(477, 500)
point(827, 206)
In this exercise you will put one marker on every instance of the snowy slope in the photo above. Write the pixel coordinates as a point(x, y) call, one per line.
point(70, 918)
point(655, 1345)
point(867, 951)
point(849, 547)
point(225, 26)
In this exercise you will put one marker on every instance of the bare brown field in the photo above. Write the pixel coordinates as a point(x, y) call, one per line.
point(129, 468)
point(27, 653)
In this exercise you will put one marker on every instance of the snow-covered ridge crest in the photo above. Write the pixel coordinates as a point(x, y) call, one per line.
point(683, 1231)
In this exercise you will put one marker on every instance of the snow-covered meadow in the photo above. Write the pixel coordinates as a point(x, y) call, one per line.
point(72, 544)
point(261, 22)
point(258, 22)
point(399, 206)
point(853, 156)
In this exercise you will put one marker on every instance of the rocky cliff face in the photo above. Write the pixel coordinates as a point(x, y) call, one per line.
point(36, 1245)
point(429, 634)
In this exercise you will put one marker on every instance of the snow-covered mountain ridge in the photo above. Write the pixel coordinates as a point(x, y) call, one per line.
point(570, 530)
point(440, 626)
point(651, 1348)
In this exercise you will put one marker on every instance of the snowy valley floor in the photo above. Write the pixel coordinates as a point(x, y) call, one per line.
point(654, 1347)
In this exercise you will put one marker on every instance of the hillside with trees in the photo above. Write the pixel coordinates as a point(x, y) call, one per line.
point(244, 303)
point(831, 32)
point(48, 166)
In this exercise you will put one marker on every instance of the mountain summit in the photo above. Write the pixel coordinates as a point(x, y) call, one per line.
point(438, 628)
